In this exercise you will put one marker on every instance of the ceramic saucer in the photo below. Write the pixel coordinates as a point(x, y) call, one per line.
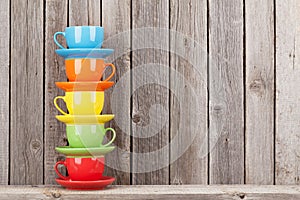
point(84, 86)
point(84, 119)
point(86, 185)
point(84, 53)
point(91, 151)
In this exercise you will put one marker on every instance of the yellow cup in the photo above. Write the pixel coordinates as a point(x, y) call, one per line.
point(82, 103)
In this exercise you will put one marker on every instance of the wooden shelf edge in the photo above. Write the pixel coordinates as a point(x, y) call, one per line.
point(265, 192)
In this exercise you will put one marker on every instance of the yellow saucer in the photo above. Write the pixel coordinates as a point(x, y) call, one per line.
point(84, 119)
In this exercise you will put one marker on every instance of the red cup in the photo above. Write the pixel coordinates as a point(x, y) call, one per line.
point(82, 169)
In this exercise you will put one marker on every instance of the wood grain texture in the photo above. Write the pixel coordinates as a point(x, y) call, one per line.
point(84, 12)
point(116, 23)
point(155, 192)
point(155, 113)
point(150, 100)
point(4, 91)
point(189, 59)
point(259, 92)
point(287, 92)
point(26, 164)
point(94, 11)
point(226, 112)
point(54, 72)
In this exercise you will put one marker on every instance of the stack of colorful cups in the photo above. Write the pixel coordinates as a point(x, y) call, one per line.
point(84, 98)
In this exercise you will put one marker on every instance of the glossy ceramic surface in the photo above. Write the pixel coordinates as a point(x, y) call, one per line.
point(82, 103)
point(84, 53)
point(82, 169)
point(84, 119)
point(84, 86)
point(86, 185)
point(96, 151)
point(89, 69)
point(81, 37)
point(81, 136)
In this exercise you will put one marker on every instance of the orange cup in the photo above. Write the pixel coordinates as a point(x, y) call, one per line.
point(87, 69)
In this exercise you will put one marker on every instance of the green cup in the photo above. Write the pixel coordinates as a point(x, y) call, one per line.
point(83, 136)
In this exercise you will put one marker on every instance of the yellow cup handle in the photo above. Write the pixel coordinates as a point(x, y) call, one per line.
point(57, 107)
point(113, 138)
point(113, 71)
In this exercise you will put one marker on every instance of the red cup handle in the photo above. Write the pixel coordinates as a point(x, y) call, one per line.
point(57, 171)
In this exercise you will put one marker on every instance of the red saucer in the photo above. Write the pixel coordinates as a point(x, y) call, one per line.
point(86, 185)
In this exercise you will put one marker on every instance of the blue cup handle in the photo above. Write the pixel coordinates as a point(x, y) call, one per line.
point(56, 42)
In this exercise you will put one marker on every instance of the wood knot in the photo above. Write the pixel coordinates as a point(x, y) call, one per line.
point(35, 145)
point(241, 195)
point(218, 110)
point(185, 42)
point(257, 86)
point(292, 55)
point(136, 118)
point(52, 193)
point(55, 194)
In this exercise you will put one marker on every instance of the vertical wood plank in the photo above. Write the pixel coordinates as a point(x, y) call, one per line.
point(84, 12)
point(116, 23)
point(94, 11)
point(4, 91)
point(287, 92)
point(56, 20)
point(226, 112)
point(259, 91)
point(150, 101)
point(26, 164)
point(189, 18)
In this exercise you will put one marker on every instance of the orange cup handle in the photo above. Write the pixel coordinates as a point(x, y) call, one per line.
point(57, 171)
point(113, 71)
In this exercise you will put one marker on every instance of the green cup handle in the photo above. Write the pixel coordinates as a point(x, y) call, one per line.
point(113, 138)
point(55, 40)
point(57, 107)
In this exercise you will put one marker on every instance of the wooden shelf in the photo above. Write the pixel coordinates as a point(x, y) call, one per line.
point(190, 192)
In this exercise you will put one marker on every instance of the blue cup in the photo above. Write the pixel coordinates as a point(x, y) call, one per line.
point(82, 37)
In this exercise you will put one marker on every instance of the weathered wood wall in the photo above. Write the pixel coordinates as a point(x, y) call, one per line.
point(240, 122)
